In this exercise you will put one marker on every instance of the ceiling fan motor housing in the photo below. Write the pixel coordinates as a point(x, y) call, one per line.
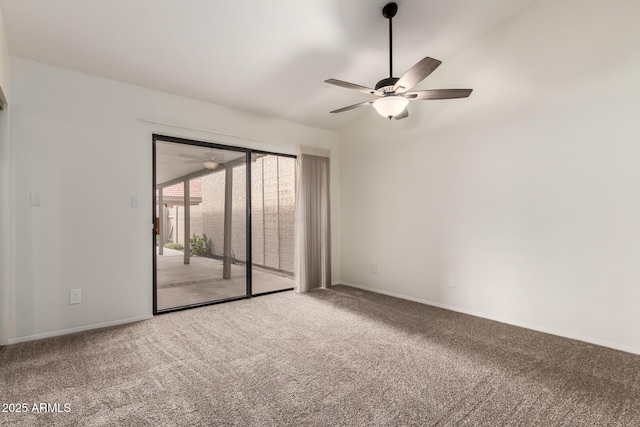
point(386, 85)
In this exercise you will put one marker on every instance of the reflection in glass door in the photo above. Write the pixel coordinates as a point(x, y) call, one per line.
point(200, 223)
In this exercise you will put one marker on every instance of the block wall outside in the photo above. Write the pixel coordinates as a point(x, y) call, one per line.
point(286, 212)
point(175, 222)
point(273, 203)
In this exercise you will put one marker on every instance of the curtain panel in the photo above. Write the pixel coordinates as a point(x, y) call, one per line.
point(312, 235)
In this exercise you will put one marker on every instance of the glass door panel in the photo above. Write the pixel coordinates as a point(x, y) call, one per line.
point(273, 179)
point(200, 206)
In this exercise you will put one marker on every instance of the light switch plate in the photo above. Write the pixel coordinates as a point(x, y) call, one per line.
point(453, 281)
point(135, 202)
point(75, 296)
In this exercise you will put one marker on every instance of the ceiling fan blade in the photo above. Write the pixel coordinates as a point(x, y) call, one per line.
point(351, 107)
point(439, 94)
point(416, 74)
point(354, 86)
point(402, 115)
point(189, 156)
point(182, 160)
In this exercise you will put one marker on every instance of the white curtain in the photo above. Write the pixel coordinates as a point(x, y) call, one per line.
point(312, 236)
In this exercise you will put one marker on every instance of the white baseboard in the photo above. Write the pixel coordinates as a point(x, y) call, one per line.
point(78, 329)
point(563, 334)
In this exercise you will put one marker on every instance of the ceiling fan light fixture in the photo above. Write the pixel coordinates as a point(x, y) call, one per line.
point(390, 106)
point(210, 165)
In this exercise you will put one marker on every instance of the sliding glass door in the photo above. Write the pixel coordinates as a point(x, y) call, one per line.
point(203, 252)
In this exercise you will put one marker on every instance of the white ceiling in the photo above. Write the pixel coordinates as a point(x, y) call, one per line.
point(269, 57)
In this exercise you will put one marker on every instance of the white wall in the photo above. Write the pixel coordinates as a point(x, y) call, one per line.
point(4, 60)
point(78, 142)
point(528, 192)
point(4, 184)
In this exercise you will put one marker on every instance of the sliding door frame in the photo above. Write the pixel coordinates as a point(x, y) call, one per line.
point(248, 224)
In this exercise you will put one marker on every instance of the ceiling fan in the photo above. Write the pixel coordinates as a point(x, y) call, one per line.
point(209, 160)
point(393, 93)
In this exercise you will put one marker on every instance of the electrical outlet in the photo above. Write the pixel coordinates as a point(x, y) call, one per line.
point(374, 269)
point(75, 296)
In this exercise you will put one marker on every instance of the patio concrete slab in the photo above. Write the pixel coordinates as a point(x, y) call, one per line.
point(200, 281)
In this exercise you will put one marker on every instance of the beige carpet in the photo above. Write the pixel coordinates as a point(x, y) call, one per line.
point(331, 357)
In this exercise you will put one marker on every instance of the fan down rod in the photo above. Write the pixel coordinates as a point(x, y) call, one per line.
point(389, 11)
